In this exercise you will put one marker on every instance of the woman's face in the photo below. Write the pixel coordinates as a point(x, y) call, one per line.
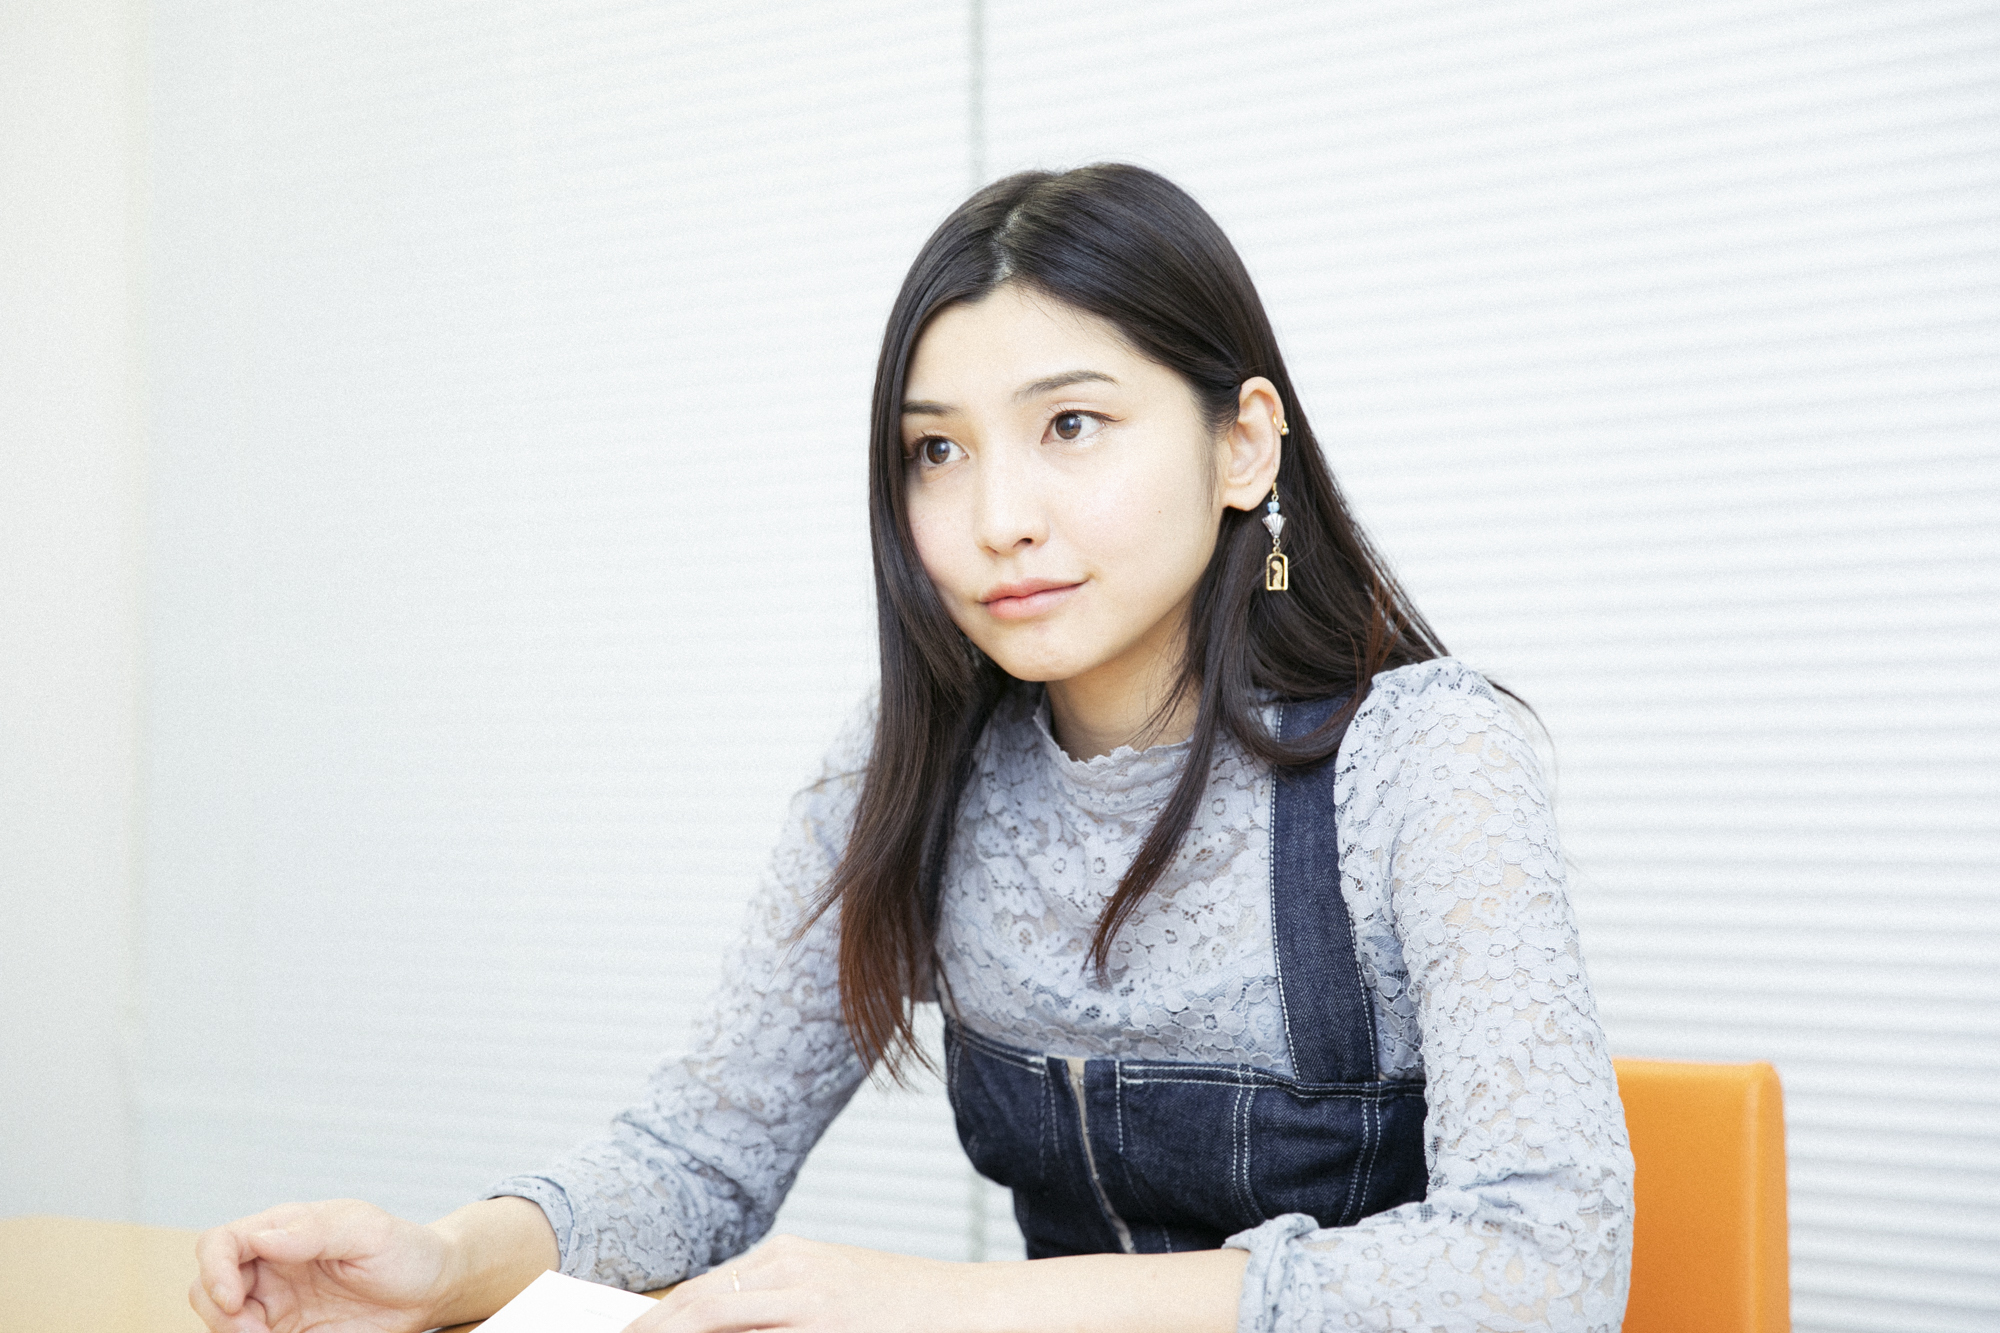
point(1065, 492)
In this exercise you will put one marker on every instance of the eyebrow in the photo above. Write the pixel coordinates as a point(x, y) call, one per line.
point(1033, 389)
point(1062, 381)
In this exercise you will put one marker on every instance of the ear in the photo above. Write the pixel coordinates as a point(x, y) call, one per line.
point(1251, 447)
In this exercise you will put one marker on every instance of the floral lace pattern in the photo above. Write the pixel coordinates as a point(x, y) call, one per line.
point(1454, 880)
point(1041, 843)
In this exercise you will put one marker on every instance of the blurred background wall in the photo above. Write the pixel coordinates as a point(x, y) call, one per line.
point(72, 135)
point(433, 539)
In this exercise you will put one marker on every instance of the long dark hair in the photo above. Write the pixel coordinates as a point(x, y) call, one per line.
point(1132, 248)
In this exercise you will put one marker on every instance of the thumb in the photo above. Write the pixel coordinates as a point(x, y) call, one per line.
point(338, 1229)
point(301, 1242)
point(320, 1233)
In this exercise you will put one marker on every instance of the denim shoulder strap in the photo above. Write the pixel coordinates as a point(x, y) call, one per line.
point(1329, 1022)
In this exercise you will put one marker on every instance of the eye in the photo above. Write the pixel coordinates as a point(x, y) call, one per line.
point(1074, 425)
point(936, 451)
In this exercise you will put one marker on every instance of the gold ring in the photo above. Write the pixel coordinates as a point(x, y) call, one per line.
point(735, 1282)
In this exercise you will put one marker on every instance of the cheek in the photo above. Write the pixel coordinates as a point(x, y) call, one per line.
point(936, 533)
point(1150, 517)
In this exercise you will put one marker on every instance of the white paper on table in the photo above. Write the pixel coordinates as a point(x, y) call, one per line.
point(553, 1303)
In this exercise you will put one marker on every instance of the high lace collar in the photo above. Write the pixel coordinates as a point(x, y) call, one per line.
point(1123, 782)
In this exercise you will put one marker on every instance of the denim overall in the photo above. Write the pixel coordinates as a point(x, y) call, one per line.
point(1152, 1156)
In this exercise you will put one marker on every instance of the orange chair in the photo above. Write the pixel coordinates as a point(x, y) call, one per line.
point(1709, 1247)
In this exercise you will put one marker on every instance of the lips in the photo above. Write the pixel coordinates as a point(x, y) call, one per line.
point(1027, 598)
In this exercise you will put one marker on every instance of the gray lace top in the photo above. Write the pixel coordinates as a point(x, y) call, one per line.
point(1454, 879)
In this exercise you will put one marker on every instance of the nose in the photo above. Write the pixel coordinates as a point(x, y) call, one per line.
point(1008, 515)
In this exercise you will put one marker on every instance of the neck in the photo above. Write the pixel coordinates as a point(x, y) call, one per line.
point(1121, 704)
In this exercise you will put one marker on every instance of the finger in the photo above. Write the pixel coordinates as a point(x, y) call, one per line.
point(726, 1278)
point(223, 1254)
point(220, 1256)
point(782, 1260)
point(247, 1321)
point(720, 1310)
point(338, 1229)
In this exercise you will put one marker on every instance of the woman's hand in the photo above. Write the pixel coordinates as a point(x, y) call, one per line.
point(349, 1267)
point(337, 1267)
point(788, 1283)
point(805, 1285)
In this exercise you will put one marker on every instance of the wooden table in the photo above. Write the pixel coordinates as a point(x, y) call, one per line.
point(69, 1275)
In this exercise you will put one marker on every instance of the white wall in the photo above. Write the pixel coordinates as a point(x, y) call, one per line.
point(70, 466)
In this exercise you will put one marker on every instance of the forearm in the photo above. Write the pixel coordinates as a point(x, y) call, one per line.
point(1110, 1293)
point(493, 1248)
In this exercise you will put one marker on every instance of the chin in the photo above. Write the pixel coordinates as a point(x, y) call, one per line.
point(1035, 668)
point(1040, 652)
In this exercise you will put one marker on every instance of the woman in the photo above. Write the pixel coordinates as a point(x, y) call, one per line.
point(1242, 900)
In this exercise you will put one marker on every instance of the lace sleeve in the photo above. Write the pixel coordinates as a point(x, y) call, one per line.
point(694, 1173)
point(1527, 1223)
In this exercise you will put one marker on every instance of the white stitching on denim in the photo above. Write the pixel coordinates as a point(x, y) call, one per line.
point(1077, 1067)
point(1271, 879)
point(1371, 1135)
point(1244, 1096)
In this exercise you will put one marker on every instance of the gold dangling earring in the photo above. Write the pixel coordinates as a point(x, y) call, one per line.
point(1277, 569)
